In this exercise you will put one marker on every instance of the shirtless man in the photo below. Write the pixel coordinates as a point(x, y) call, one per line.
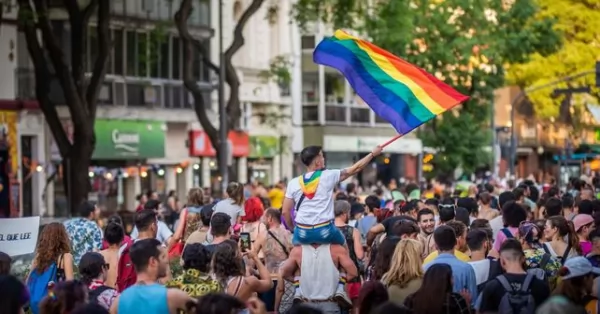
point(319, 268)
point(113, 234)
point(485, 207)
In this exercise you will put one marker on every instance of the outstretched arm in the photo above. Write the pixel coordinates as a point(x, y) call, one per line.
point(360, 165)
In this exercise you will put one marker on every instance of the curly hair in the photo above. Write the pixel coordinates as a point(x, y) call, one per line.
point(254, 209)
point(53, 242)
point(226, 262)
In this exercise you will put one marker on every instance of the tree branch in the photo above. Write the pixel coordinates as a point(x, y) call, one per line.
point(56, 54)
point(79, 20)
point(99, 70)
point(181, 18)
point(42, 76)
point(233, 103)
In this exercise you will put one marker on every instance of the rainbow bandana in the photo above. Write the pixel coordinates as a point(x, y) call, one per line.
point(309, 186)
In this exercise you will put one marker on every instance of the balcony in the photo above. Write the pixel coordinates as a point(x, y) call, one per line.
point(121, 91)
point(341, 115)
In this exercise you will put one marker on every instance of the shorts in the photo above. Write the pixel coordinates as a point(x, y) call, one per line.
point(323, 233)
point(268, 297)
point(353, 289)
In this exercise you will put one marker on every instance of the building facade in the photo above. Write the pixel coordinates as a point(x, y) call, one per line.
point(148, 136)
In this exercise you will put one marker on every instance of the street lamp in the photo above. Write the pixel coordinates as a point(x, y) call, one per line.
point(223, 134)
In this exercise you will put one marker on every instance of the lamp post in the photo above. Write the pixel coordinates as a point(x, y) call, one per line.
point(223, 127)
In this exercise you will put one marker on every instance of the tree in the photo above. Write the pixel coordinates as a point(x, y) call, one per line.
point(462, 42)
point(578, 21)
point(52, 61)
point(191, 46)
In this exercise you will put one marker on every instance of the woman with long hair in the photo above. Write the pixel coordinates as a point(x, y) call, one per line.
point(406, 271)
point(381, 258)
point(233, 205)
point(190, 220)
point(94, 271)
point(64, 298)
point(372, 294)
point(555, 231)
point(577, 279)
point(435, 295)
point(228, 268)
point(53, 248)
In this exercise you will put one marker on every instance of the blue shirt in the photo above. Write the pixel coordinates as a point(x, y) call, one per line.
point(147, 299)
point(463, 274)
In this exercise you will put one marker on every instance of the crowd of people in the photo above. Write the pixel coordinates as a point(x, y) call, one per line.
point(309, 247)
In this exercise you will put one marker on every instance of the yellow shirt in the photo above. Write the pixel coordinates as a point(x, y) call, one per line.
point(276, 196)
point(460, 255)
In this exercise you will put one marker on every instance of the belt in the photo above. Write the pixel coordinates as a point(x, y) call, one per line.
point(323, 224)
point(318, 301)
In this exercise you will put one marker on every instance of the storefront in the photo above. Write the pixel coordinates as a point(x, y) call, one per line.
point(207, 173)
point(399, 159)
point(264, 161)
point(119, 171)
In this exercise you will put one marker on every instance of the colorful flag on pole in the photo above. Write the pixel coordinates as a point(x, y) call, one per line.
point(401, 93)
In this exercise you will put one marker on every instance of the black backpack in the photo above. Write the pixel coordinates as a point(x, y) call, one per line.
point(495, 271)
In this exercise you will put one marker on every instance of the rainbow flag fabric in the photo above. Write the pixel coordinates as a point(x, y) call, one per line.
point(401, 93)
point(309, 185)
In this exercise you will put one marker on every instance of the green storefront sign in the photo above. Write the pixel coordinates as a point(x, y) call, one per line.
point(264, 146)
point(124, 139)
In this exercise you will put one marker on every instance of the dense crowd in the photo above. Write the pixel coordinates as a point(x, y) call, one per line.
point(310, 247)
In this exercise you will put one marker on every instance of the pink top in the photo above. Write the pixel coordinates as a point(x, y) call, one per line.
point(586, 247)
point(501, 237)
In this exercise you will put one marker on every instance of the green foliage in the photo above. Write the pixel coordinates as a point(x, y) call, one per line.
point(578, 21)
point(149, 46)
point(465, 43)
point(279, 71)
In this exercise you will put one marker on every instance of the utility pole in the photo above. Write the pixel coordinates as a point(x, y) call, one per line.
point(223, 127)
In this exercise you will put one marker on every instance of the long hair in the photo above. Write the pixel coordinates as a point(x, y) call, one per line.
point(235, 191)
point(53, 242)
point(385, 251)
point(66, 296)
point(437, 284)
point(226, 262)
point(566, 228)
point(572, 288)
point(406, 264)
point(372, 293)
point(195, 197)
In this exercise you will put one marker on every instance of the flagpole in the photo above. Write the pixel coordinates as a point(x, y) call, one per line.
point(393, 139)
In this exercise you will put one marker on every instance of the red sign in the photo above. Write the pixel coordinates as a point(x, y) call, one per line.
point(200, 145)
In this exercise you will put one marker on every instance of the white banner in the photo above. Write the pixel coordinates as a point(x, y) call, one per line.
point(18, 236)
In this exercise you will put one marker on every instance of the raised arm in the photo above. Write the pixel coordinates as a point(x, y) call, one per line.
point(360, 165)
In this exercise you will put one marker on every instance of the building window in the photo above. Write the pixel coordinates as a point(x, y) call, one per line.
point(118, 51)
point(131, 53)
point(176, 58)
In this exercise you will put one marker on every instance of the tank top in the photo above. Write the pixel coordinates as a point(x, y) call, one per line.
point(147, 299)
point(348, 233)
point(319, 276)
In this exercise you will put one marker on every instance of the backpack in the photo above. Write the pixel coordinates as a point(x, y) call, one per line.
point(38, 284)
point(540, 271)
point(507, 233)
point(516, 301)
point(126, 275)
point(94, 294)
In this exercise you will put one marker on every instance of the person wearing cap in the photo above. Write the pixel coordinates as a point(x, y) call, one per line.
point(577, 279)
point(584, 224)
point(94, 271)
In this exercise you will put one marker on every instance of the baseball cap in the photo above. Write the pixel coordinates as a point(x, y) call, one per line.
point(579, 266)
point(581, 220)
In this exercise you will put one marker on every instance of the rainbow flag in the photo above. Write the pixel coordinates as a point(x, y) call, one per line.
point(401, 93)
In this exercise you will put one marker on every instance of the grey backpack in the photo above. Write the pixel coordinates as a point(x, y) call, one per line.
point(517, 301)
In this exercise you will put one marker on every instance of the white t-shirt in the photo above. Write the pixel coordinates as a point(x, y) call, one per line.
point(482, 270)
point(497, 224)
point(319, 209)
point(163, 234)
